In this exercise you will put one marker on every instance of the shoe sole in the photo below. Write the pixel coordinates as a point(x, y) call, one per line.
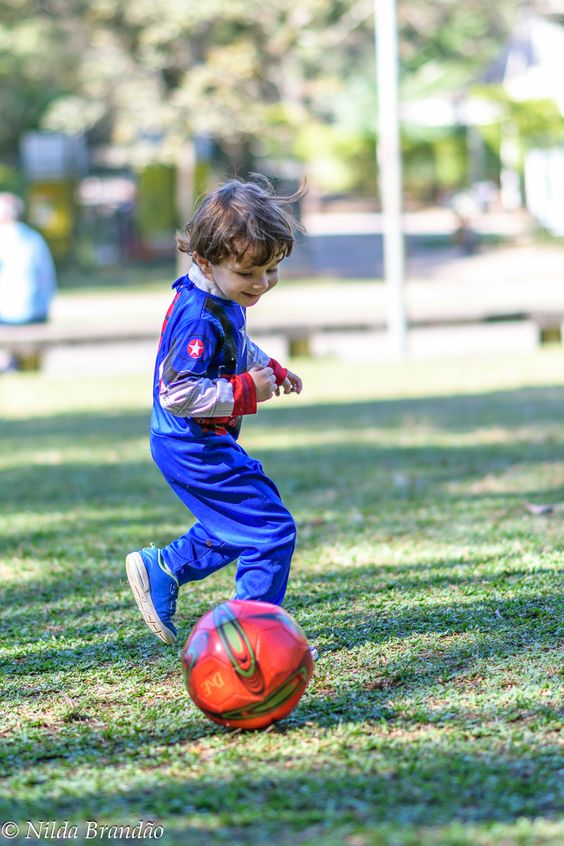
point(139, 582)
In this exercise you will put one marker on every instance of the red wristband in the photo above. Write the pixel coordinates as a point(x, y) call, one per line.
point(280, 372)
point(244, 394)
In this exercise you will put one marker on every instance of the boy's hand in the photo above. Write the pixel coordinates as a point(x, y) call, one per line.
point(291, 384)
point(265, 383)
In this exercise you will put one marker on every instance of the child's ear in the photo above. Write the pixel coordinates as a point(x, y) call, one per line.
point(204, 265)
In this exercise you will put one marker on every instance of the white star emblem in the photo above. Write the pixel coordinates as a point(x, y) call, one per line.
point(195, 348)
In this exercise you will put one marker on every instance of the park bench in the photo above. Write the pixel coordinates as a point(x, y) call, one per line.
point(298, 337)
point(28, 343)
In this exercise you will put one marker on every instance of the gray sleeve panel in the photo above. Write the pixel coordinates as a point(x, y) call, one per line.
point(195, 396)
point(255, 356)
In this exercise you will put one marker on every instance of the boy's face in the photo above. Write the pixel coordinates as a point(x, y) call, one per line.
point(241, 281)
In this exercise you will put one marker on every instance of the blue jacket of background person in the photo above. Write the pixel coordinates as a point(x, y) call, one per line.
point(27, 274)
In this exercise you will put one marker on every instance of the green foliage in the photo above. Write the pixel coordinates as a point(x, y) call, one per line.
point(432, 593)
point(274, 79)
point(338, 161)
point(11, 179)
point(451, 33)
point(36, 67)
point(451, 159)
point(156, 212)
point(434, 161)
point(537, 122)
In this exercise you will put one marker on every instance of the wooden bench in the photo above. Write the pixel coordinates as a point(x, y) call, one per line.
point(299, 336)
point(28, 343)
point(549, 326)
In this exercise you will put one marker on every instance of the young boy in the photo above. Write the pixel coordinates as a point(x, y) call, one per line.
point(208, 375)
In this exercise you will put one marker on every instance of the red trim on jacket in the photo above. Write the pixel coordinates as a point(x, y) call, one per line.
point(167, 317)
point(280, 372)
point(244, 402)
point(244, 394)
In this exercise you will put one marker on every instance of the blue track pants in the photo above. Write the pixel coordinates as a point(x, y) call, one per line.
point(239, 511)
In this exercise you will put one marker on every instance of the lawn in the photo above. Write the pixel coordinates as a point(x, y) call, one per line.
point(428, 585)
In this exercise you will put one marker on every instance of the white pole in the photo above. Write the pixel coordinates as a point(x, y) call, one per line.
point(389, 166)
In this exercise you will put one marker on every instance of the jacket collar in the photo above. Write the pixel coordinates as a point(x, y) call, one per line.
point(202, 282)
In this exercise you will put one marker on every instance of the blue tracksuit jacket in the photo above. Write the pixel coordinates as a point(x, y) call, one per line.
point(202, 388)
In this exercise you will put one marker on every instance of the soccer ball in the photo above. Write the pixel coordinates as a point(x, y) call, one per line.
point(246, 664)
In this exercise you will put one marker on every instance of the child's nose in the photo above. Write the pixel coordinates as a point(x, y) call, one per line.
point(261, 284)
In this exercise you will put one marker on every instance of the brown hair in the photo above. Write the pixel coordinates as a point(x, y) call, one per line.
point(241, 218)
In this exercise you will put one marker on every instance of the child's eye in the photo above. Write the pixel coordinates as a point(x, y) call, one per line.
point(273, 269)
point(243, 273)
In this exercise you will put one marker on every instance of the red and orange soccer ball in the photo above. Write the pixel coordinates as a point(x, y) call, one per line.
point(246, 664)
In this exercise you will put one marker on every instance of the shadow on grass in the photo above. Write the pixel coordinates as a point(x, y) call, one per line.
point(51, 483)
point(391, 784)
point(466, 784)
point(47, 487)
point(453, 413)
point(121, 488)
point(493, 628)
point(459, 413)
point(501, 631)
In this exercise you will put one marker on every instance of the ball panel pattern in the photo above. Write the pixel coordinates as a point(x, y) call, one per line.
point(246, 664)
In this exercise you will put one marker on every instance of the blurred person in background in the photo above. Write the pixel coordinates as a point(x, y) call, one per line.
point(27, 274)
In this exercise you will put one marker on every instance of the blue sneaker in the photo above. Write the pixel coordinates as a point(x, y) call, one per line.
point(155, 590)
point(314, 653)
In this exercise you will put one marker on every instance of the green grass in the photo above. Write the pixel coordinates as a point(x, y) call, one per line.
point(429, 588)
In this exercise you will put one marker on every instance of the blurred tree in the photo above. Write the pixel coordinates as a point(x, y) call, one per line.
point(539, 123)
point(228, 69)
point(447, 32)
point(278, 79)
point(35, 70)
